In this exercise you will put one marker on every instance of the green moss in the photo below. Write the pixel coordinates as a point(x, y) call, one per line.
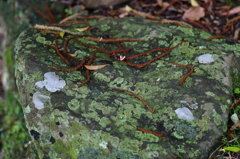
point(120, 119)
point(45, 136)
point(104, 27)
point(101, 77)
point(146, 137)
point(117, 101)
point(130, 145)
point(175, 134)
point(198, 72)
point(236, 80)
point(29, 46)
point(205, 35)
point(40, 39)
point(69, 148)
point(217, 118)
point(187, 31)
point(8, 57)
point(98, 154)
point(92, 115)
point(194, 154)
point(224, 108)
point(186, 130)
point(203, 123)
point(53, 154)
point(74, 105)
point(60, 116)
point(104, 122)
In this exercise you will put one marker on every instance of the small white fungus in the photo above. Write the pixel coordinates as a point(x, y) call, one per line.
point(52, 82)
point(184, 113)
point(39, 100)
point(103, 144)
point(158, 79)
point(206, 58)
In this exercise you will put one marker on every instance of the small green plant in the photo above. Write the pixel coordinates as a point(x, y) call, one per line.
point(231, 148)
point(232, 2)
point(68, 11)
point(14, 137)
point(237, 90)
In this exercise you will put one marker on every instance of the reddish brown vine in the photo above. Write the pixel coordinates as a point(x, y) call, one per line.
point(72, 70)
point(233, 104)
point(42, 14)
point(112, 52)
point(88, 71)
point(149, 108)
point(154, 50)
point(147, 63)
point(215, 37)
point(48, 31)
point(188, 74)
point(113, 40)
point(74, 22)
point(198, 24)
point(68, 39)
point(50, 14)
point(58, 52)
point(151, 132)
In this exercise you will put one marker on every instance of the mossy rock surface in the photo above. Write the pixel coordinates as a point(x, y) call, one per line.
point(95, 120)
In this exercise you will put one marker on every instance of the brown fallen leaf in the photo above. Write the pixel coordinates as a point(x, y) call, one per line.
point(160, 2)
point(235, 125)
point(89, 67)
point(82, 29)
point(143, 14)
point(236, 34)
point(235, 10)
point(73, 55)
point(194, 13)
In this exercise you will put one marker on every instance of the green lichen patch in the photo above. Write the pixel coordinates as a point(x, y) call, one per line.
point(185, 131)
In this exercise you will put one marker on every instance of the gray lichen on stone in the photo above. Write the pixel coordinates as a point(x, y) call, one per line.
point(96, 119)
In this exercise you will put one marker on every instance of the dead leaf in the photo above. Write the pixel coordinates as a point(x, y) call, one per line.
point(123, 15)
point(143, 14)
point(82, 29)
point(160, 2)
point(236, 34)
point(128, 9)
point(230, 134)
point(235, 10)
point(122, 12)
point(194, 3)
point(194, 13)
point(89, 67)
point(73, 55)
point(235, 125)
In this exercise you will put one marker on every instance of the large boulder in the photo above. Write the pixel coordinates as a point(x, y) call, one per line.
point(97, 121)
